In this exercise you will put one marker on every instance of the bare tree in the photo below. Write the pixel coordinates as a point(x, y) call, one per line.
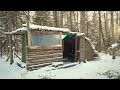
point(107, 29)
point(101, 35)
point(77, 21)
point(112, 27)
point(82, 22)
point(55, 18)
point(61, 18)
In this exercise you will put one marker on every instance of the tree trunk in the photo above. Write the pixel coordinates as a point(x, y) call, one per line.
point(87, 29)
point(99, 47)
point(106, 29)
point(77, 22)
point(71, 27)
point(117, 23)
point(61, 19)
point(82, 22)
point(119, 18)
point(113, 54)
point(11, 50)
point(112, 27)
point(7, 44)
point(55, 18)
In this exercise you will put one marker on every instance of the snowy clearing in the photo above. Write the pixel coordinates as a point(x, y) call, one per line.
point(104, 68)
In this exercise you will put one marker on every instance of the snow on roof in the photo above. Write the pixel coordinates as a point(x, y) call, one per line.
point(114, 45)
point(92, 45)
point(18, 30)
point(77, 33)
point(32, 26)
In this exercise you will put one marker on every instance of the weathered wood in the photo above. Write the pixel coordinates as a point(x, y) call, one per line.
point(8, 58)
point(42, 53)
point(89, 55)
point(35, 62)
point(76, 40)
point(60, 38)
point(17, 55)
point(1, 47)
point(82, 48)
point(46, 47)
point(45, 56)
point(29, 38)
point(17, 44)
point(58, 65)
point(23, 48)
point(39, 51)
point(46, 59)
point(44, 32)
point(67, 65)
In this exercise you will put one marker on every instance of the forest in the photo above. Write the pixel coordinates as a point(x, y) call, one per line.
point(26, 53)
point(100, 26)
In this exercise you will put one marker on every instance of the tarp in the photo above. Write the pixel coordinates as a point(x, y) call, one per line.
point(68, 36)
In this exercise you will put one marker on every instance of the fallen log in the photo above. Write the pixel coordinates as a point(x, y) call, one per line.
point(67, 65)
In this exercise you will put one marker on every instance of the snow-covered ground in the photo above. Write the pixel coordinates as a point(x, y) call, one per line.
point(104, 68)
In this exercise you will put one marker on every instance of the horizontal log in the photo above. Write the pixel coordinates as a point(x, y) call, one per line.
point(47, 59)
point(42, 53)
point(44, 56)
point(37, 50)
point(67, 65)
point(44, 61)
point(45, 47)
point(40, 65)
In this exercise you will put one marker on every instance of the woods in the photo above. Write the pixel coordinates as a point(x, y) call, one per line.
point(102, 27)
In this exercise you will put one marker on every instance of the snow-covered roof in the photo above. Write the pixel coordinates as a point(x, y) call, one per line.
point(16, 31)
point(77, 33)
point(92, 45)
point(32, 27)
point(38, 27)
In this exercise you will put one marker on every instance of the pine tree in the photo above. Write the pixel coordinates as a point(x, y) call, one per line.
point(41, 18)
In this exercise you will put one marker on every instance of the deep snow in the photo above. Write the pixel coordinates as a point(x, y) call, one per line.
point(97, 69)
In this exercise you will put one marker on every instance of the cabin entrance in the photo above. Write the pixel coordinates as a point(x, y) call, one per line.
point(71, 47)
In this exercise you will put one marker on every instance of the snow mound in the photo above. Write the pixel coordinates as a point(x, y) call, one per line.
point(115, 45)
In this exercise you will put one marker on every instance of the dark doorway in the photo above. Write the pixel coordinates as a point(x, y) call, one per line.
point(69, 48)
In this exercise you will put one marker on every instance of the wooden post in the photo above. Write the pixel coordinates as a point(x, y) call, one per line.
point(60, 38)
point(28, 27)
point(76, 38)
point(24, 48)
point(63, 48)
point(11, 50)
point(17, 43)
point(82, 48)
point(7, 49)
point(29, 38)
point(1, 46)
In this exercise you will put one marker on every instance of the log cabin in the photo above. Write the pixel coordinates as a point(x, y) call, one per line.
point(43, 44)
point(40, 44)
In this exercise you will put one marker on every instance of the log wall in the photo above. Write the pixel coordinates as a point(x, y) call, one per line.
point(43, 54)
